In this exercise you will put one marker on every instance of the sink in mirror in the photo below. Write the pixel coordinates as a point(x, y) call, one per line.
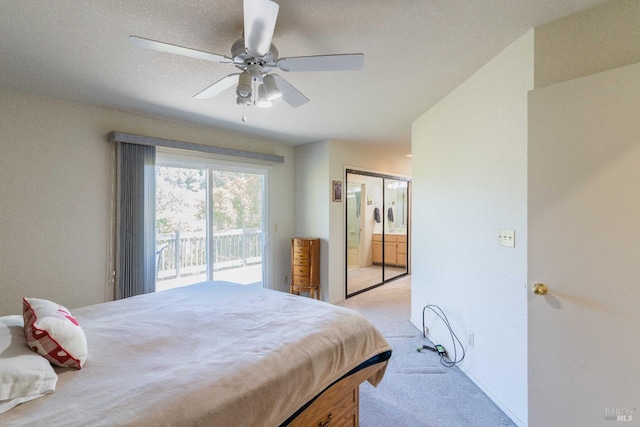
point(397, 231)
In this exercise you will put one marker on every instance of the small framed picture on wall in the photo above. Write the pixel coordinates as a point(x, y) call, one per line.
point(337, 191)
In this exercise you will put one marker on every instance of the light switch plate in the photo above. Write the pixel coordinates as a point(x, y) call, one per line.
point(507, 238)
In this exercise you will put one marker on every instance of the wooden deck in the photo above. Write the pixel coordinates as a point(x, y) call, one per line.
point(247, 275)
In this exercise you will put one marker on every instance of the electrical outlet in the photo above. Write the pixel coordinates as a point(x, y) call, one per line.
point(472, 339)
point(426, 331)
point(286, 280)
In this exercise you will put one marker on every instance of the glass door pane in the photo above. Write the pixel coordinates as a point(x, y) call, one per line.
point(237, 226)
point(181, 226)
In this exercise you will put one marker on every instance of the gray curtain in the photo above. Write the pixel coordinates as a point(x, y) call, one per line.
point(136, 269)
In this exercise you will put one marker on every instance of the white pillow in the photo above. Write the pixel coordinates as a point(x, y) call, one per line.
point(54, 333)
point(24, 375)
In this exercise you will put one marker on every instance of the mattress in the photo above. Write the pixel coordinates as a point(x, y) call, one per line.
point(214, 353)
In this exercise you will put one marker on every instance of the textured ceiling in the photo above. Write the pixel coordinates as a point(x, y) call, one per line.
point(416, 51)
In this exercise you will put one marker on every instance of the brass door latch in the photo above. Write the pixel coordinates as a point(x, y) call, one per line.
point(540, 289)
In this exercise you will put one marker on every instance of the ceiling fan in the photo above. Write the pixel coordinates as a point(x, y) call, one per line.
point(255, 56)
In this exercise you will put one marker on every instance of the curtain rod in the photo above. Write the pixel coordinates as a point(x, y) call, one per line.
point(170, 143)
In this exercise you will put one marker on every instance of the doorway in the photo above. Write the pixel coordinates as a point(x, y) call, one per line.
point(209, 222)
point(377, 230)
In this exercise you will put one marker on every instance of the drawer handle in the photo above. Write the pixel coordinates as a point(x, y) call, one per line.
point(326, 423)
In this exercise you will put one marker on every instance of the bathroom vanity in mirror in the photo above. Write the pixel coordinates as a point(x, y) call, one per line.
point(395, 249)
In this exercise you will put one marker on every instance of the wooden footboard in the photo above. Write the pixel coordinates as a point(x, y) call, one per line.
point(338, 405)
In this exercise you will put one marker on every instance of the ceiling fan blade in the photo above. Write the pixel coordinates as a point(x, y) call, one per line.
point(290, 94)
point(259, 23)
point(178, 50)
point(346, 62)
point(218, 87)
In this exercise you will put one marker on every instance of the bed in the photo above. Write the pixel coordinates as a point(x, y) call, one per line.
point(214, 354)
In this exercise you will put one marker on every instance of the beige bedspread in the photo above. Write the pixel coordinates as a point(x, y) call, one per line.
point(214, 354)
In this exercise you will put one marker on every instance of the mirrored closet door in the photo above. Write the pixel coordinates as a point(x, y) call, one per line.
point(377, 230)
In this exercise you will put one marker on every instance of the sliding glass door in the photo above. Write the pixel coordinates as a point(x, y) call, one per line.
point(209, 222)
point(377, 224)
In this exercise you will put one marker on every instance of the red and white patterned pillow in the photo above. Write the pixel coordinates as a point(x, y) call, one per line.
point(54, 333)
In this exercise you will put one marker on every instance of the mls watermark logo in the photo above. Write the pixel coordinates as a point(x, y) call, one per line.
point(619, 414)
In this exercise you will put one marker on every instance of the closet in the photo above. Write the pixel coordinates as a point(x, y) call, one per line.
point(377, 229)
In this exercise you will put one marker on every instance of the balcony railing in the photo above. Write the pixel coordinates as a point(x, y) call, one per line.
point(185, 253)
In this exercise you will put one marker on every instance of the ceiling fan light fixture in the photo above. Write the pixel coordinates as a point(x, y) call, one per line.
point(243, 100)
point(244, 85)
point(272, 92)
point(262, 101)
point(256, 56)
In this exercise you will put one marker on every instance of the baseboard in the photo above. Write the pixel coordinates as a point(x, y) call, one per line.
point(493, 398)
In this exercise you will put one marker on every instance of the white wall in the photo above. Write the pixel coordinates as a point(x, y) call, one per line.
point(313, 191)
point(317, 165)
point(469, 181)
point(55, 196)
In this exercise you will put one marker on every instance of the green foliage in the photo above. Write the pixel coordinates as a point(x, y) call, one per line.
point(237, 200)
point(181, 199)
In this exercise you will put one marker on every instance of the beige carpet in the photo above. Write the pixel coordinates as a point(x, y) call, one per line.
point(416, 390)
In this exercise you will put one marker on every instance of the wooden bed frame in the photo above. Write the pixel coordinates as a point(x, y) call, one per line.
point(338, 405)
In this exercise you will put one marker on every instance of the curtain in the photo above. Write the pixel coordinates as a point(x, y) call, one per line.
point(136, 263)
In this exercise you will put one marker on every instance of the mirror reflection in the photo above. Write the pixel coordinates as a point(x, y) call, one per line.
point(377, 230)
